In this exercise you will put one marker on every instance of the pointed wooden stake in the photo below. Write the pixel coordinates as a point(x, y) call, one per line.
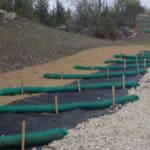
point(61, 76)
point(113, 96)
point(22, 87)
point(108, 73)
point(143, 52)
point(56, 104)
point(79, 86)
point(125, 64)
point(136, 60)
point(138, 69)
point(145, 65)
point(120, 55)
point(124, 82)
point(23, 135)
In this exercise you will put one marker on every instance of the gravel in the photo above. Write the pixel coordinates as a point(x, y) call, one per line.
point(127, 129)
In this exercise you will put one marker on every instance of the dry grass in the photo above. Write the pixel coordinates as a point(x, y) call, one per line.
point(32, 76)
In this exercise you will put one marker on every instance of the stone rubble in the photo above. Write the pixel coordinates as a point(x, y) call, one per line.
point(4, 15)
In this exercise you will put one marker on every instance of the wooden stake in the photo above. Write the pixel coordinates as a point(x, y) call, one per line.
point(136, 60)
point(92, 68)
point(145, 65)
point(61, 75)
point(113, 96)
point(22, 89)
point(108, 73)
point(138, 69)
point(125, 64)
point(56, 104)
point(143, 52)
point(79, 86)
point(120, 55)
point(23, 135)
point(124, 82)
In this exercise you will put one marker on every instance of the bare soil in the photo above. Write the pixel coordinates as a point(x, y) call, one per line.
point(32, 76)
point(24, 43)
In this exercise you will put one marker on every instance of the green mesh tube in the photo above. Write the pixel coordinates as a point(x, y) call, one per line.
point(67, 107)
point(138, 56)
point(146, 30)
point(119, 67)
point(143, 17)
point(145, 51)
point(92, 76)
point(143, 24)
point(90, 67)
point(69, 88)
point(128, 61)
point(32, 139)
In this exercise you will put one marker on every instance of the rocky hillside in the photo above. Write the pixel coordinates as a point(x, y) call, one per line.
point(25, 43)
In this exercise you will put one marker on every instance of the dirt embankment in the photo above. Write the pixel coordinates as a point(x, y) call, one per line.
point(25, 43)
point(32, 76)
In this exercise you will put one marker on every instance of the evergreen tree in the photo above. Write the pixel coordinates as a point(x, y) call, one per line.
point(60, 14)
point(127, 11)
point(24, 8)
point(42, 11)
point(7, 5)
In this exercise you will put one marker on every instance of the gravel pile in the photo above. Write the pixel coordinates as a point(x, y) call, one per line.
point(128, 129)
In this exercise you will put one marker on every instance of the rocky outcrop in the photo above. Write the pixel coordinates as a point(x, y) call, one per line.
point(5, 16)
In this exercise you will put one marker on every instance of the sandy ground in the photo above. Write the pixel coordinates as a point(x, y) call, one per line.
point(32, 76)
point(128, 129)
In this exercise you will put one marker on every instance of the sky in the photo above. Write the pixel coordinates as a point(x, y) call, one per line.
point(67, 3)
point(146, 3)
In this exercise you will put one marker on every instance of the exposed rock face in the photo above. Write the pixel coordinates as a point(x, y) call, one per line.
point(5, 16)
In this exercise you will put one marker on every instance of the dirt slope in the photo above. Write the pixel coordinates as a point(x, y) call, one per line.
point(25, 43)
point(32, 76)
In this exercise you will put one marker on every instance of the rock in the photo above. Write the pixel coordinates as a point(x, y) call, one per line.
point(5, 16)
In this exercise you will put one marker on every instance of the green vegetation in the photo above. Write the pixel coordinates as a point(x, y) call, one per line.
point(94, 18)
point(144, 23)
point(106, 21)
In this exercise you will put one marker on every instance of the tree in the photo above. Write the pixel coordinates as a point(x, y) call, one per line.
point(107, 27)
point(24, 8)
point(60, 14)
point(42, 11)
point(127, 11)
point(7, 5)
point(52, 18)
point(84, 9)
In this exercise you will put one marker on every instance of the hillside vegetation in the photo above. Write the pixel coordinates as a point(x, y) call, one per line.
point(25, 43)
point(93, 18)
